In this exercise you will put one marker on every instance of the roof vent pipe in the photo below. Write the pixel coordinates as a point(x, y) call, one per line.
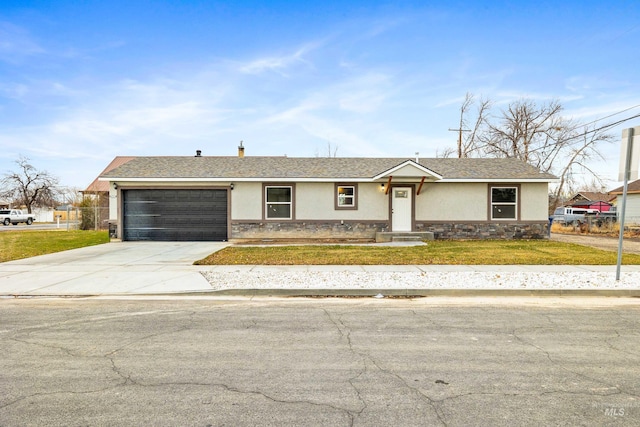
point(240, 150)
point(198, 153)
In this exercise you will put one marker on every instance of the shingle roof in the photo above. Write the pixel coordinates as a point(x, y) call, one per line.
point(592, 196)
point(97, 186)
point(632, 187)
point(316, 168)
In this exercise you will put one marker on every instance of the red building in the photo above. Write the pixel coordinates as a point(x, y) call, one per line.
point(592, 200)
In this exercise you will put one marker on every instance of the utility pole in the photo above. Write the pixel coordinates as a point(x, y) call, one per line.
point(467, 101)
point(460, 130)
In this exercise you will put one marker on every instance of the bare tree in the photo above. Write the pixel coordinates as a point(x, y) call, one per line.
point(539, 135)
point(28, 186)
point(527, 132)
point(467, 135)
point(446, 153)
point(69, 195)
point(579, 150)
point(331, 151)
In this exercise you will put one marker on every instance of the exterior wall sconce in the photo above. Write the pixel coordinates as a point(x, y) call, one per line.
point(231, 186)
point(382, 187)
point(115, 186)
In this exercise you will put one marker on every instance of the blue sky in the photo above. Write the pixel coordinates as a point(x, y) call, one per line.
point(82, 82)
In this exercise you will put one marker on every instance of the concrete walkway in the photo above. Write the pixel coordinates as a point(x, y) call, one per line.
point(160, 268)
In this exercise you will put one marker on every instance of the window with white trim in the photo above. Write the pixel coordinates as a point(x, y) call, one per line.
point(346, 196)
point(504, 203)
point(278, 202)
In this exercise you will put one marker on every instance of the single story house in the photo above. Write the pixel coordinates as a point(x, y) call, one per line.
point(98, 191)
point(98, 187)
point(591, 200)
point(632, 211)
point(237, 197)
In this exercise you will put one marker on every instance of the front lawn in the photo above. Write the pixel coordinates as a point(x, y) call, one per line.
point(484, 252)
point(25, 244)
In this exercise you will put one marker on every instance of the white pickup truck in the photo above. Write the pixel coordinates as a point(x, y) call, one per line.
point(14, 216)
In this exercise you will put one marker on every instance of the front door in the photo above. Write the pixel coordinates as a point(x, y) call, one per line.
point(401, 208)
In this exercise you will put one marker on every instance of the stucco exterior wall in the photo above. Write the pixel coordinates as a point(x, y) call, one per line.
point(470, 202)
point(313, 201)
point(452, 202)
point(113, 203)
point(316, 201)
point(534, 202)
point(246, 201)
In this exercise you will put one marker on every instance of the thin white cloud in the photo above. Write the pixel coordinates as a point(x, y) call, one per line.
point(278, 64)
point(16, 43)
point(593, 84)
point(16, 91)
point(363, 94)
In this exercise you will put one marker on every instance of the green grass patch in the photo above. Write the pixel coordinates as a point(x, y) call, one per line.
point(25, 244)
point(484, 252)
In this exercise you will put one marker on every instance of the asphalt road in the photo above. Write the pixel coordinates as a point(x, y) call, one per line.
point(337, 362)
point(63, 226)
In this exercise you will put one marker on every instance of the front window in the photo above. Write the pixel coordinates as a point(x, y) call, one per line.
point(278, 202)
point(504, 202)
point(346, 196)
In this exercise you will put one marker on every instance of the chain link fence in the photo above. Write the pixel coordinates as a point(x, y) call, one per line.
point(82, 218)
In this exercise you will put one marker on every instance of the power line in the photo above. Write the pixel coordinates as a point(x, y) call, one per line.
point(582, 125)
point(610, 125)
point(585, 133)
point(605, 117)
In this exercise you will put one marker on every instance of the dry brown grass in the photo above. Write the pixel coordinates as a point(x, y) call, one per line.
point(607, 229)
point(484, 252)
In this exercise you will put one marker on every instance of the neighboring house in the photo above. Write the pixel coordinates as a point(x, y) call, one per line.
point(4, 205)
point(98, 187)
point(222, 198)
point(632, 211)
point(98, 191)
point(591, 200)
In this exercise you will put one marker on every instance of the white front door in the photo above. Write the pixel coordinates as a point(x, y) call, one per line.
point(401, 208)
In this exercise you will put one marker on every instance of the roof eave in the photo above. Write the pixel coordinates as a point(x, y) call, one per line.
point(419, 167)
point(335, 179)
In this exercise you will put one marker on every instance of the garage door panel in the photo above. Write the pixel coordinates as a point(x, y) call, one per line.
point(175, 215)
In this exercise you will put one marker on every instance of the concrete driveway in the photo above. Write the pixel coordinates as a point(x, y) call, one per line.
point(112, 268)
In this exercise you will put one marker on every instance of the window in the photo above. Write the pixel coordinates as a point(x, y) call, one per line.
point(504, 202)
point(346, 196)
point(278, 202)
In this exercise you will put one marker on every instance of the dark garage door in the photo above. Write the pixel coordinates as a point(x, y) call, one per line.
point(172, 215)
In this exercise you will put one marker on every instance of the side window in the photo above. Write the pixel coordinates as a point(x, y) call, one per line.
point(346, 196)
point(278, 202)
point(504, 203)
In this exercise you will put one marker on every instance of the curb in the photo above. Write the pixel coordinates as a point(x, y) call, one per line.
point(422, 293)
point(357, 293)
